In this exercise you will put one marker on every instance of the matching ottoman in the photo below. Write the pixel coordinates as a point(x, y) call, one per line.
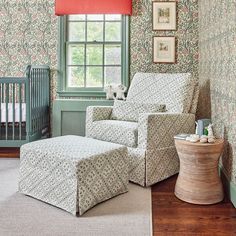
point(73, 173)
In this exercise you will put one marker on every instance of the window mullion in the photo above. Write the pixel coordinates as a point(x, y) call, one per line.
point(103, 48)
point(85, 52)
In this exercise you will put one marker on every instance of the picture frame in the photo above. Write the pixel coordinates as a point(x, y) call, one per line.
point(164, 15)
point(164, 49)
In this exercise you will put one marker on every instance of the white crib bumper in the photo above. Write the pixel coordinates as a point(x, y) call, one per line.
point(18, 106)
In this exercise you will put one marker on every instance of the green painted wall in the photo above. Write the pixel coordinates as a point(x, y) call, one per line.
point(69, 115)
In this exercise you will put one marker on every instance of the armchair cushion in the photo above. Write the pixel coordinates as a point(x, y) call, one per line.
point(174, 90)
point(130, 111)
point(120, 132)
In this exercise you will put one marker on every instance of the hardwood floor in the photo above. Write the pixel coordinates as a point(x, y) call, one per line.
point(173, 217)
point(9, 152)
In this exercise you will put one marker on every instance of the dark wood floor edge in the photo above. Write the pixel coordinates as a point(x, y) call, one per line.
point(10, 157)
point(151, 215)
point(9, 152)
point(229, 186)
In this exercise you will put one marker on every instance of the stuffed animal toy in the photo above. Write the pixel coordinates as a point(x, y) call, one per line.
point(120, 90)
point(204, 139)
point(196, 129)
point(210, 130)
point(109, 92)
point(193, 138)
point(211, 137)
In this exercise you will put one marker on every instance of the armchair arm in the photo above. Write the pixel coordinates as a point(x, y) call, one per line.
point(157, 130)
point(96, 113)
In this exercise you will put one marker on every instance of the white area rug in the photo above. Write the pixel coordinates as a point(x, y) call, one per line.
point(127, 214)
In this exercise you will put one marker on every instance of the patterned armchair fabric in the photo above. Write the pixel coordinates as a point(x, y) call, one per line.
point(152, 154)
point(173, 90)
point(193, 108)
point(155, 135)
point(130, 111)
point(121, 132)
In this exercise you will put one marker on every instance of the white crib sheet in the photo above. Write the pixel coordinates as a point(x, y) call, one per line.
point(10, 112)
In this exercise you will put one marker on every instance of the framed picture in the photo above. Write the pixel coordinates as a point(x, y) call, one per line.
point(164, 15)
point(163, 49)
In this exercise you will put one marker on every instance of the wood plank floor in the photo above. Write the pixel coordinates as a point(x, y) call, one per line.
point(173, 217)
point(9, 152)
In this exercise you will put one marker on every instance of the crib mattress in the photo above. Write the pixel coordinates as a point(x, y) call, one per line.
point(9, 109)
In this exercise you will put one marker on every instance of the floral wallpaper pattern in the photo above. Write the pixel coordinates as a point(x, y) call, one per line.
point(217, 72)
point(186, 35)
point(28, 35)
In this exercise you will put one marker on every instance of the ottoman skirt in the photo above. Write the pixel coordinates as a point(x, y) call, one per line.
point(73, 173)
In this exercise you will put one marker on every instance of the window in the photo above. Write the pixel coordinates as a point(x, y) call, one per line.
point(93, 53)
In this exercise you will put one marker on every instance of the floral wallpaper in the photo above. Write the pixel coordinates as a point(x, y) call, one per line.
point(217, 72)
point(186, 35)
point(28, 35)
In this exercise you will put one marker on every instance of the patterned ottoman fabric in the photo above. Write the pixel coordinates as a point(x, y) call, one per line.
point(73, 173)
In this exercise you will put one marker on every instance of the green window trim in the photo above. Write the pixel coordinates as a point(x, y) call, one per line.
point(63, 90)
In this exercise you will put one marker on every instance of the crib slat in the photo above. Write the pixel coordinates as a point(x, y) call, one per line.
point(3, 85)
point(7, 110)
point(34, 98)
point(37, 99)
point(20, 112)
point(13, 111)
point(32, 101)
point(45, 96)
point(1, 109)
point(41, 99)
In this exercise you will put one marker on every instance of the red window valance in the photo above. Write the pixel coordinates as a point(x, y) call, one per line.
point(67, 7)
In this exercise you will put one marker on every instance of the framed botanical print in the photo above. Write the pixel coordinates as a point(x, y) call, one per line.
point(163, 49)
point(164, 15)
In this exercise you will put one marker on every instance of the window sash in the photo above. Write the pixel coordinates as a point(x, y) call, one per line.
point(63, 88)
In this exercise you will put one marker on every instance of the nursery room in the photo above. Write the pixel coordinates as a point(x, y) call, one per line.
point(118, 118)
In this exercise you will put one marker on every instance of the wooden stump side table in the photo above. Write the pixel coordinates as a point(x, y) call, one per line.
point(198, 181)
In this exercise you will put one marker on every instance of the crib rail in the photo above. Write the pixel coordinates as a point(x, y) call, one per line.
point(24, 112)
point(12, 93)
point(39, 98)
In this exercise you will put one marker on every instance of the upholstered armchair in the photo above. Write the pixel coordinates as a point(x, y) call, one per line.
point(150, 140)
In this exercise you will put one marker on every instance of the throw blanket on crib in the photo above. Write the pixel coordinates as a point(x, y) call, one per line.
point(9, 108)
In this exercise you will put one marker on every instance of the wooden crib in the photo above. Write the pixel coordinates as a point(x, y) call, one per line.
point(24, 113)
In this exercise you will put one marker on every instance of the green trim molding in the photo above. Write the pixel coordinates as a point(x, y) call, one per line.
point(69, 115)
point(229, 186)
